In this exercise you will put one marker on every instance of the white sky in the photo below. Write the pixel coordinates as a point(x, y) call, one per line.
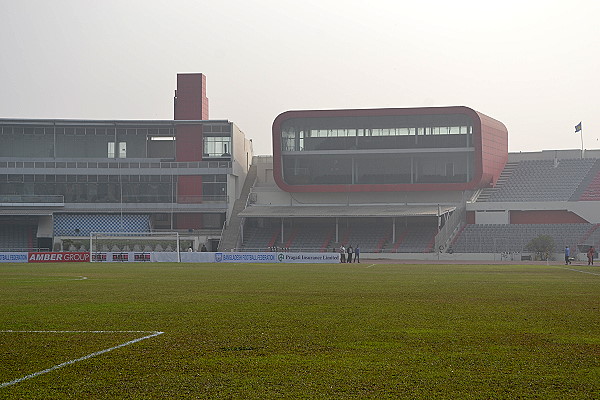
point(534, 65)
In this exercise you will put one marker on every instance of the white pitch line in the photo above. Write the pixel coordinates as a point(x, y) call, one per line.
point(372, 265)
point(97, 353)
point(54, 278)
point(578, 270)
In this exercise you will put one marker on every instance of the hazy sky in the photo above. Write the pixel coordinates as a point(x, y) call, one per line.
point(534, 65)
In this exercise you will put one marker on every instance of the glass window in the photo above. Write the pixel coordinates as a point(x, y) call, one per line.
point(122, 149)
point(217, 146)
point(111, 150)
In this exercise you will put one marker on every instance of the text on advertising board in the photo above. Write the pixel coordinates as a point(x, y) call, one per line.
point(59, 257)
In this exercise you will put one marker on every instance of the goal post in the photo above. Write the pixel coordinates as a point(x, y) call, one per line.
point(136, 242)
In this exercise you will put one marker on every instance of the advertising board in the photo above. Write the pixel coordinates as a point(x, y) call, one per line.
point(45, 257)
point(13, 257)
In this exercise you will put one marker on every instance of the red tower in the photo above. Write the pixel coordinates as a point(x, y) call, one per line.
point(191, 102)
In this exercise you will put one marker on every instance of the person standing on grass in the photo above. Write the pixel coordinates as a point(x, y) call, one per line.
point(567, 255)
point(590, 255)
point(342, 254)
point(350, 251)
point(357, 254)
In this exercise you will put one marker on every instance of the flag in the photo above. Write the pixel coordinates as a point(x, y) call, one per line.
point(578, 127)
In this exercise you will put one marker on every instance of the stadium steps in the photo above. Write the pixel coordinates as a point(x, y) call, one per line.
point(291, 239)
point(274, 237)
point(328, 240)
point(506, 173)
point(456, 236)
point(592, 236)
point(589, 188)
point(399, 241)
point(230, 233)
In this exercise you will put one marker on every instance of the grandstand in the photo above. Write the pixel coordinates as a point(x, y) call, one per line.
point(405, 182)
point(498, 238)
point(62, 179)
point(386, 180)
point(18, 233)
point(541, 193)
point(542, 180)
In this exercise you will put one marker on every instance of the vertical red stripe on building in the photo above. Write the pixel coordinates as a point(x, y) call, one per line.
point(189, 189)
point(189, 143)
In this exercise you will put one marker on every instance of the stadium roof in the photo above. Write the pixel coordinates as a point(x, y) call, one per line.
point(346, 211)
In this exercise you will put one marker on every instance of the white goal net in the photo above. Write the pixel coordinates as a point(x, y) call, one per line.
point(137, 246)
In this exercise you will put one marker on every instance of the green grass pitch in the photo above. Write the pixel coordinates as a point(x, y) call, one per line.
point(355, 331)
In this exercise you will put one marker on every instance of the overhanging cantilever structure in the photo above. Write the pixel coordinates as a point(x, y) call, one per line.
point(382, 150)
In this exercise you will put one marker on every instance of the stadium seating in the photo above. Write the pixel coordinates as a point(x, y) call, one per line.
point(496, 238)
point(591, 191)
point(17, 237)
point(541, 180)
point(372, 237)
point(418, 239)
point(257, 238)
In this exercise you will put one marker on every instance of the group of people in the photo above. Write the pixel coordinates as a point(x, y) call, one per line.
point(349, 254)
point(203, 248)
point(590, 255)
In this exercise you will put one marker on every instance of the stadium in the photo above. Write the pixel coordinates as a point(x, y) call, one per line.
point(405, 183)
point(213, 303)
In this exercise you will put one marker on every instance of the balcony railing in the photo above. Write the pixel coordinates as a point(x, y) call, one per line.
point(110, 163)
point(201, 199)
point(32, 199)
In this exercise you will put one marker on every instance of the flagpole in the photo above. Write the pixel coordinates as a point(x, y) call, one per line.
point(581, 134)
point(579, 129)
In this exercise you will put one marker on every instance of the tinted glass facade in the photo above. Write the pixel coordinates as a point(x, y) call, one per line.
point(392, 149)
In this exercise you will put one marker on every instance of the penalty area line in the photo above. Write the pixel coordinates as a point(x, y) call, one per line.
point(64, 364)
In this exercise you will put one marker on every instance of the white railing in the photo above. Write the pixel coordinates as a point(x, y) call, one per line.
point(447, 232)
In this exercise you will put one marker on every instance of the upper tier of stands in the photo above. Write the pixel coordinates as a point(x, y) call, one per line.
point(544, 180)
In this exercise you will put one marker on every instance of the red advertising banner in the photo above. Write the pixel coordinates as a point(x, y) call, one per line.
point(38, 257)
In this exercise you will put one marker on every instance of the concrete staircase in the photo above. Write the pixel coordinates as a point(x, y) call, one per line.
point(230, 233)
point(506, 173)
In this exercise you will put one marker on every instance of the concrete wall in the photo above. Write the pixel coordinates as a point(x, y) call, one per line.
point(587, 210)
point(492, 217)
point(552, 154)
